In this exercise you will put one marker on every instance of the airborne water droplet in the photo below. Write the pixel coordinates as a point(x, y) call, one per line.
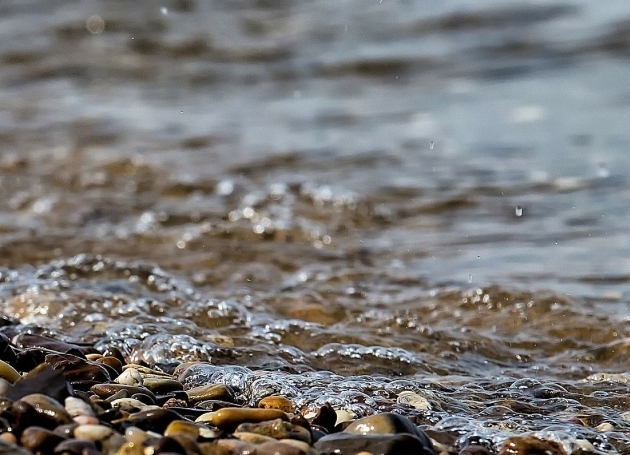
point(164, 10)
point(519, 211)
point(603, 171)
point(431, 145)
point(470, 278)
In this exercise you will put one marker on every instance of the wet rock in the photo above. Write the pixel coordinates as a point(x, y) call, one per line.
point(6, 448)
point(388, 423)
point(278, 448)
point(131, 405)
point(130, 376)
point(152, 420)
point(29, 340)
point(210, 392)
point(215, 405)
point(146, 399)
point(76, 447)
point(75, 368)
point(8, 437)
point(105, 436)
point(111, 362)
point(276, 402)
point(252, 437)
point(212, 448)
point(48, 409)
point(169, 444)
point(161, 385)
point(277, 429)
point(386, 444)
point(78, 407)
point(413, 399)
point(106, 390)
point(182, 427)
point(43, 379)
point(343, 416)
point(529, 445)
point(38, 439)
point(230, 418)
point(8, 372)
point(326, 418)
point(474, 449)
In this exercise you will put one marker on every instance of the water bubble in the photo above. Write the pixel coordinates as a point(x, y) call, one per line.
point(164, 10)
point(95, 24)
point(518, 211)
point(431, 145)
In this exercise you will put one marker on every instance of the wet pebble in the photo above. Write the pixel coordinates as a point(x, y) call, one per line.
point(182, 427)
point(76, 447)
point(108, 438)
point(276, 402)
point(229, 418)
point(107, 390)
point(130, 376)
point(413, 399)
point(161, 385)
point(277, 429)
point(8, 448)
point(8, 373)
point(210, 392)
point(386, 444)
point(78, 407)
point(38, 439)
point(47, 408)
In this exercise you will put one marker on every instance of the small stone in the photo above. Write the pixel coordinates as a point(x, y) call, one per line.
point(386, 444)
point(253, 438)
point(169, 444)
point(414, 399)
point(107, 390)
point(210, 392)
point(525, 445)
point(8, 448)
point(42, 379)
point(229, 418)
point(277, 402)
point(161, 385)
point(278, 448)
point(151, 420)
point(86, 420)
point(8, 437)
point(109, 439)
point(111, 361)
point(388, 423)
point(277, 429)
point(47, 407)
point(76, 446)
point(182, 427)
point(130, 376)
point(343, 416)
point(38, 439)
point(130, 405)
point(8, 372)
point(78, 407)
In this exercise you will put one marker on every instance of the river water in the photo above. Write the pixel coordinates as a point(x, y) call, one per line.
point(411, 195)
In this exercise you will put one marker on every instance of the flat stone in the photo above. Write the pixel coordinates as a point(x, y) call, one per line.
point(527, 445)
point(42, 379)
point(38, 439)
point(47, 407)
point(388, 423)
point(230, 418)
point(378, 444)
point(277, 429)
point(106, 390)
point(6, 448)
point(8, 372)
point(210, 392)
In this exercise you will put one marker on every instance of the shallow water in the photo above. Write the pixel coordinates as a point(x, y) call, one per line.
point(426, 196)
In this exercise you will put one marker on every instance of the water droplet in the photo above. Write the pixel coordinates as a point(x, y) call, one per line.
point(95, 24)
point(164, 10)
point(470, 278)
point(602, 171)
point(519, 211)
point(431, 145)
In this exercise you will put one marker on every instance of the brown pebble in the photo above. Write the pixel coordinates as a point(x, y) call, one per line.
point(112, 362)
point(276, 402)
point(106, 390)
point(86, 420)
point(525, 445)
point(8, 437)
point(229, 418)
point(182, 427)
point(38, 439)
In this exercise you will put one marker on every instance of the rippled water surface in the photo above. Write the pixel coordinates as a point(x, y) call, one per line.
point(364, 197)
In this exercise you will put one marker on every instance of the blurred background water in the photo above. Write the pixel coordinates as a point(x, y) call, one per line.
point(368, 186)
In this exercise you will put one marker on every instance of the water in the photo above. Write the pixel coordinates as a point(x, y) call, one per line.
point(367, 197)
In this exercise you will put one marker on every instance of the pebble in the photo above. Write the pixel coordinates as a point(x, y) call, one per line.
point(276, 402)
point(106, 390)
point(385, 444)
point(131, 405)
point(161, 385)
point(278, 448)
point(254, 438)
point(8, 448)
point(86, 420)
point(130, 376)
point(525, 445)
point(277, 429)
point(8, 373)
point(343, 416)
point(77, 407)
point(182, 427)
point(109, 439)
point(77, 446)
point(413, 399)
point(8, 437)
point(47, 407)
point(210, 392)
point(38, 439)
point(227, 418)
